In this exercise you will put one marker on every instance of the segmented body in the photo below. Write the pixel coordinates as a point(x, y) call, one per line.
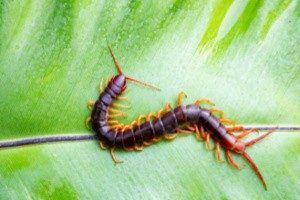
point(170, 122)
point(147, 131)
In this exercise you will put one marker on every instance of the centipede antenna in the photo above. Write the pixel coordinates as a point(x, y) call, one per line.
point(255, 168)
point(115, 60)
point(142, 83)
point(251, 142)
point(127, 77)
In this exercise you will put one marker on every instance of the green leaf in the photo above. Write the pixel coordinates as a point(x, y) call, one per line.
point(242, 55)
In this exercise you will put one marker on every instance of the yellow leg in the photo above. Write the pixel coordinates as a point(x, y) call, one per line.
point(107, 80)
point(101, 86)
point(87, 121)
point(119, 105)
point(112, 153)
point(122, 98)
point(90, 103)
point(221, 113)
point(112, 122)
point(102, 146)
point(111, 116)
point(202, 100)
point(218, 151)
point(170, 137)
point(180, 96)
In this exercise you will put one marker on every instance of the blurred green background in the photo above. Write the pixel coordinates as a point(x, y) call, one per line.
point(242, 55)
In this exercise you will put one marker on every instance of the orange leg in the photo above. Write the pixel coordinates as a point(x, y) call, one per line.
point(87, 121)
point(202, 132)
point(90, 103)
point(118, 126)
point(156, 139)
point(245, 133)
point(151, 115)
point(141, 117)
point(235, 128)
point(102, 146)
point(127, 149)
point(170, 137)
point(197, 132)
point(207, 142)
point(138, 148)
point(163, 111)
point(221, 113)
point(179, 130)
point(180, 96)
point(228, 121)
point(218, 151)
point(230, 159)
point(191, 127)
point(202, 100)
point(147, 143)
point(112, 153)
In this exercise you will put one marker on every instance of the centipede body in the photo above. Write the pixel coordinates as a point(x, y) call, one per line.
point(167, 122)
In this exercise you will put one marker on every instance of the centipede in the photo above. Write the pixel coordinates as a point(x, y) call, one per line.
point(167, 123)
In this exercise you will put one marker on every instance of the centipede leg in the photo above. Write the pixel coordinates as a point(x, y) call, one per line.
point(180, 97)
point(208, 142)
point(197, 132)
point(202, 100)
point(147, 143)
point(170, 137)
point(90, 103)
point(228, 121)
point(245, 133)
point(119, 105)
point(127, 149)
point(101, 86)
point(221, 113)
point(156, 139)
point(102, 146)
point(231, 161)
point(218, 151)
point(179, 130)
point(87, 121)
point(113, 156)
point(202, 132)
point(138, 148)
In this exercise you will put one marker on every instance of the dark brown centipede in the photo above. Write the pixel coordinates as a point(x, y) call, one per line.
point(166, 123)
